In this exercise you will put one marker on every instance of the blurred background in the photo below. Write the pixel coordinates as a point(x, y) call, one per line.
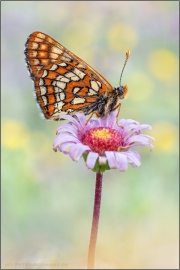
point(47, 199)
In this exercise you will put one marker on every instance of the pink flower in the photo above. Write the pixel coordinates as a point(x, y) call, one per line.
point(102, 142)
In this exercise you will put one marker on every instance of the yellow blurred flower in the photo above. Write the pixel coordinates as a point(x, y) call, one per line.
point(164, 65)
point(14, 135)
point(122, 37)
point(166, 136)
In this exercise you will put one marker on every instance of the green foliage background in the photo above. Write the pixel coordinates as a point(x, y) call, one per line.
point(47, 199)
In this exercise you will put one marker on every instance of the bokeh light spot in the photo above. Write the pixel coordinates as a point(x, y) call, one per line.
point(14, 135)
point(166, 136)
point(122, 37)
point(164, 65)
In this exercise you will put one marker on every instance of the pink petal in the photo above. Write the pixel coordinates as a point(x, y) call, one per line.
point(127, 126)
point(109, 120)
point(102, 160)
point(67, 128)
point(65, 145)
point(138, 138)
point(137, 129)
point(61, 138)
point(77, 150)
point(91, 159)
point(133, 157)
point(80, 120)
point(66, 117)
point(121, 161)
point(93, 123)
point(111, 159)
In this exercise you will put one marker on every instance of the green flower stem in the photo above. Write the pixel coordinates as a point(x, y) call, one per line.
point(95, 222)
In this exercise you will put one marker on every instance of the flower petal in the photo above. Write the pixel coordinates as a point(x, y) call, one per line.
point(91, 159)
point(80, 120)
point(94, 123)
point(77, 150)
point(67, 128)
point(137, 130)
point(63, 147)
point(142, 139)
point(66, 117)
point(121, 161)
point(102, 160)
point(61, 138)
point(111, 159)
point(127, 126)
point(109, 120)
point(133, 157)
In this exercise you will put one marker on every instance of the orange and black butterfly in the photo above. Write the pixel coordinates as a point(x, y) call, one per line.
point(64, 83)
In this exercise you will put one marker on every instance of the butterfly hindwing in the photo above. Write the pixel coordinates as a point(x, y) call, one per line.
point(63, 82)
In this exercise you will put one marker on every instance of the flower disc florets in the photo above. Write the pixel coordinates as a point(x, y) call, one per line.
point(102, 139)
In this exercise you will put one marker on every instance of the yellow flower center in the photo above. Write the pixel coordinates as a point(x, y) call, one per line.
point(101, 133)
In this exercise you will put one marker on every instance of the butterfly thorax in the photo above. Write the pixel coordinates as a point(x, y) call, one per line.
point(107, 102)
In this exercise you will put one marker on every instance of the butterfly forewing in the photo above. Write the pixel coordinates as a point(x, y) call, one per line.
point(64, 83)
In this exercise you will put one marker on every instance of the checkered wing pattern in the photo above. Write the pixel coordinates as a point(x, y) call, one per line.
point(63, 82)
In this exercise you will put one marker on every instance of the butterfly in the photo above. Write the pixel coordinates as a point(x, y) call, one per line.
point(64, 83)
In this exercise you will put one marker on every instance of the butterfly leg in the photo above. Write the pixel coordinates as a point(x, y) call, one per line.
point(89, 120)
point(119, 108)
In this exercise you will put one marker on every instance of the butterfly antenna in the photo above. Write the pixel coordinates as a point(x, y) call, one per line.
point(127, 56)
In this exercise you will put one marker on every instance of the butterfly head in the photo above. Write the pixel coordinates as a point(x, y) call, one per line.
point(123, 91)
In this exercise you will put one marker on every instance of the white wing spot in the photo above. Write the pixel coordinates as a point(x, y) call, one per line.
point(34, 45)
point(66, 57)
point(41, 35)
point(43, 90)
point(41, 82)
point(45, 73)
point(36, 62)
point(63, 65)
point(58, 106)
point(62, 96)
point(53, 55)
point(33, 53)
point(45, 100)
point(76, 89)
point(61, 85)
point(58, 90)
point(79, 73)
point(72, 76)
point(56, 50)
point(37, 39)
point(99, 83)
point(94, 86)
point(78, 100)
point(59, 96)
point(54, 67)
point(62, 78)
point(91, 92)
